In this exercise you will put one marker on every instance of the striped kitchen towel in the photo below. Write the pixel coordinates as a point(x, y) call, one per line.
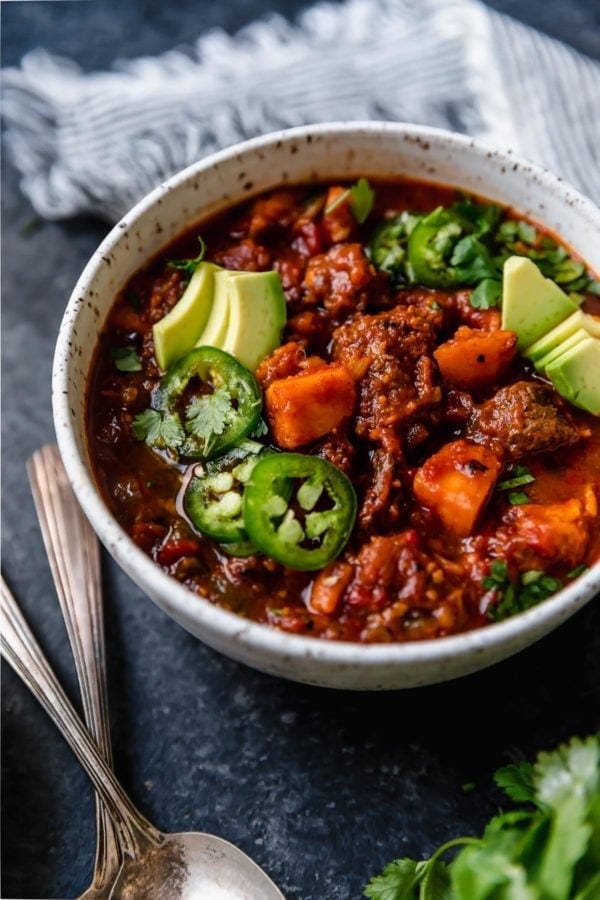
point(98, 142)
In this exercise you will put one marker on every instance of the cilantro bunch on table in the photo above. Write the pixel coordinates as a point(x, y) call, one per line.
point(547, 848)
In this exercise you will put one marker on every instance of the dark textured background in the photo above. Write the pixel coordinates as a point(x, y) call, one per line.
point(320, 787)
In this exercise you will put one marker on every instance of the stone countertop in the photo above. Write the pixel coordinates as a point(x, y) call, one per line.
point(320, 787)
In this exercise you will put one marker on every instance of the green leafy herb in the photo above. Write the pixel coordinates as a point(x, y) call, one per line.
point(260, 430)
point(468, 787)
point(514, 597)
point(516, 780)
point(360, 196)
point(517, 498)
point(487, 294)
point(467, 244)
point(549, 849)
point(520, 475)
point(126, 359)
point(387, 247)
point(207, 415)
point(189, 266)
point(576, 572)
point(158, 429)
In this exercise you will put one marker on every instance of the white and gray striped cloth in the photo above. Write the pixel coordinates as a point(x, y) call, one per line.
point(98, 142)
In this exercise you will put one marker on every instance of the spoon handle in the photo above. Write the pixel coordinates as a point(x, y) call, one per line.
point(23, 653)
point(73, 554)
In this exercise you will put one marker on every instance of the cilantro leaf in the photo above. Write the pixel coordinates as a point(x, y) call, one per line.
point(362, 197)
point(260, 429)
point(126, 359)
point(207, 415)
point(487, 294)
point(158, 429)
point(189, 266)
point(516, 780)
point(472, 262)
point(551, 852)
point(396, 882)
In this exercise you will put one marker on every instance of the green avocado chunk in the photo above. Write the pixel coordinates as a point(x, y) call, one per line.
point(576, 374)
point(531, 304)
point(216, 326)
point(177, 332)
point(577, 322)
point(573, 339)
point(257, 315)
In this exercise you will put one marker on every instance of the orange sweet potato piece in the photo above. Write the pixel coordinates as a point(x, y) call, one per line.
point(307, 406)
point(474, 358)
point(456, 482)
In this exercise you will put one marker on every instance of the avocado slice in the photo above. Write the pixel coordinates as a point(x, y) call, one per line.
point(531, 304)
point(576, 374)
point(579, 320)
point(561, 348)
point(178, 331)
point(257, 315)
point(216, 326)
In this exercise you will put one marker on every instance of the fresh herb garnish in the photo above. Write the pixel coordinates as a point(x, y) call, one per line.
point(577, 571)
point(158, 429)
point(260, 430)
point(514, 597)
point(387, 247)
point(520, 475)
point(360, 196)
point(189, 266)
point(467, 244)
point(548, 849)
point(517, 498)
point(126, 359)
point(207, 415)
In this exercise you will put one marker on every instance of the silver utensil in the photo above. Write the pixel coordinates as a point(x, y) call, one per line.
point(73, 554)
point(183, 866)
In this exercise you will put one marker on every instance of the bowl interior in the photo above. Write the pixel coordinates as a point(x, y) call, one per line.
point(299, 155)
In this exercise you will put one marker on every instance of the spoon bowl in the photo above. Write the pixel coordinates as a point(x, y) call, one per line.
point(192, 865)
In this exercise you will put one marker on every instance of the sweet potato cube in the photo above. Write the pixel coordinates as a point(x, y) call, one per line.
point(307, 406)
point(456, 482)
point(473, 358)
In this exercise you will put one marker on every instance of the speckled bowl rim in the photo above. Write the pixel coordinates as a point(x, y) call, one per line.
point(176, 599)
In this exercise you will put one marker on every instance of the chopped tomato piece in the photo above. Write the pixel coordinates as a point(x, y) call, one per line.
point(307, 406)
point(456, 482)
point(329, 586)
point(174, 550)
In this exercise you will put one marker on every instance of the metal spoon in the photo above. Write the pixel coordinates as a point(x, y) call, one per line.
point(73, 554)
point(184, 866)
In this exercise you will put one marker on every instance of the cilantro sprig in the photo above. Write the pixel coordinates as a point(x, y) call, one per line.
point(361, 197)
point(189, 266)
point(516, 596)
point(126, 359)
point(158, 429)
point(207, 416)
point(546, 849)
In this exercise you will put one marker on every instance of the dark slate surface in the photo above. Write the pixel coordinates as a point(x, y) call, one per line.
point(320, 787)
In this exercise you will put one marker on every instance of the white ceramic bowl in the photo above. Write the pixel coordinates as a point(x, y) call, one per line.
point(303, 154)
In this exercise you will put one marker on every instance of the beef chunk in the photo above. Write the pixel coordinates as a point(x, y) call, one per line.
point(342, 280)
point(389, 355)
point(523, 418)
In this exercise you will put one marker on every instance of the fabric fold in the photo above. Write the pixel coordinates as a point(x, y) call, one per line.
point(96, 143)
